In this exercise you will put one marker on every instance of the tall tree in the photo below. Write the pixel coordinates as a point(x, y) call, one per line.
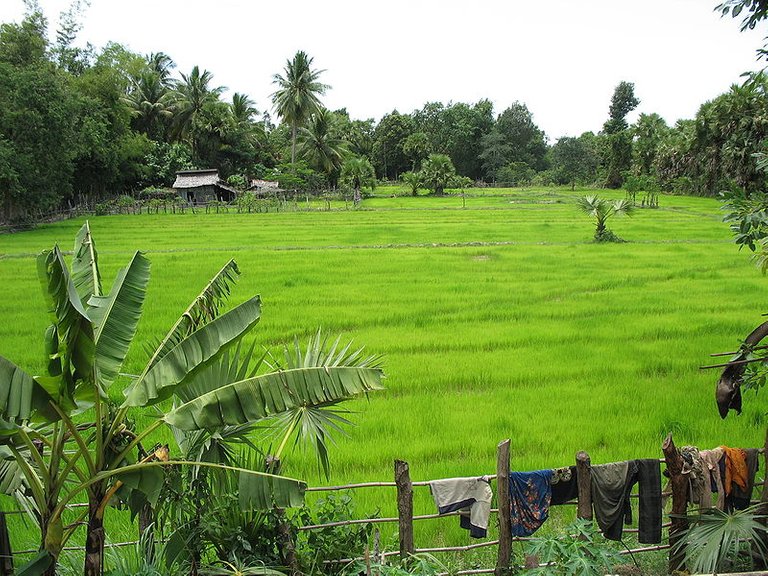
point(619, 158)
point(297, 96)
point(190, 97)
point(318, 146)
point(573, 160)
point(388, 138)
point(649, 132)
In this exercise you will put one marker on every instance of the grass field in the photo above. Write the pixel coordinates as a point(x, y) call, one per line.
point(498, 320)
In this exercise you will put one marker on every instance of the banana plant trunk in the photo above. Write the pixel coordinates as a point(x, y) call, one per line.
point(94, 542)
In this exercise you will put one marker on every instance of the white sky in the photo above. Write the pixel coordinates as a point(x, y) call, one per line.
point(562, 58)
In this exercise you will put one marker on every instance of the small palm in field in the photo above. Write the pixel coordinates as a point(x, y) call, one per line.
point(601, 209)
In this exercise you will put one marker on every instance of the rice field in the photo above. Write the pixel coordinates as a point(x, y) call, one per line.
point(496, 320)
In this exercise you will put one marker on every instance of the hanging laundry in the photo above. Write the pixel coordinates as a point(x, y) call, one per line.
point(735, 469)
point(741, 498)
point(565, 486)
point(649, 506)
point(693, 468)
point(530, 494)
point(470, 496)
point(611, 486)
point(712, 478)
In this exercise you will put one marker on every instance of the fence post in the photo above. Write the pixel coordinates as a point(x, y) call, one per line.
point(679, 484)
point(761, 563)
point(404, 508)
point(584, 483)
point(6, 554)
point(502, 498)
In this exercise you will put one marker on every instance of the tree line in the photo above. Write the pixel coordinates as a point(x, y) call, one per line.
point(80, 123)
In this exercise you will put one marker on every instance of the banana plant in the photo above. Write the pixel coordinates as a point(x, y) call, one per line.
point(70, 440)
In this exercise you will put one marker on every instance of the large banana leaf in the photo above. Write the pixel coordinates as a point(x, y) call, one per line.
point(20, 395)
point(265, 491)
point(270, 394)
point(85, 266)
point(202, 310)
point(116, 316)
point(193, 353)
point(72, 322)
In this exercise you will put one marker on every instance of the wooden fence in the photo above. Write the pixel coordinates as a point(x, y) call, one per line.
point(678, 490)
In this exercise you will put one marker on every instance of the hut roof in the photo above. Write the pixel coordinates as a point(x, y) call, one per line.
point(195, 178)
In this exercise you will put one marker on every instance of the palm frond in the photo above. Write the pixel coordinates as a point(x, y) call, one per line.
point(85, 265)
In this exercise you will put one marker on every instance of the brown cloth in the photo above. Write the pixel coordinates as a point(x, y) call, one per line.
point(739, 498)
point(711, 461)
point(735, 469)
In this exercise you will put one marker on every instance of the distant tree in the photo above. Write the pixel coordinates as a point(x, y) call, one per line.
point(319, 148)
point(437, 173)
point(573, 160)
point(150, 104)
point(190, 97)
point(297, 96)
point(649, 132)
point(413, 181)
point(601, 210)
point(388, 137)
point(416, 147)
point(516, 174)
point(494, 155)
point(619, 158)
point(243, 108)
point(358, 173)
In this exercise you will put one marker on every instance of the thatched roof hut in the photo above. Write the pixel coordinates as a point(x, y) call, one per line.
point(201, 186)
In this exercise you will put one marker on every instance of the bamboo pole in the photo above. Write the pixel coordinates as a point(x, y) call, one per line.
point(584, 482)
point(679, 484)
point(502, 497)
point(404, 508)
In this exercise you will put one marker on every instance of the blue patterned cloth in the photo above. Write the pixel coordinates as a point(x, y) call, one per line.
point(530, 494)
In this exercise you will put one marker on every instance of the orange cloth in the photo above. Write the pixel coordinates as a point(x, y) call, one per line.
point(735, 468)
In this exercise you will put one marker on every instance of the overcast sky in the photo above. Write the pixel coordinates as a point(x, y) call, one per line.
point(562, 58)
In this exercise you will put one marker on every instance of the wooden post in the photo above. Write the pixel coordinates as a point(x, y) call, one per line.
point(679, 484)
point(760, 561)
point(502, 498)
point(404, 508)
point(284, 532)
point(6, 554)
point(584, 483)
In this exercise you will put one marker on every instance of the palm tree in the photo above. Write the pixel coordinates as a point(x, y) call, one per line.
point(358, 172)
point(319, 147)
point(190, 97)
point(602, 209)
point(297, 96)
point(437, 172)
point(161, 64)
point(149, 104)
point(243, 109)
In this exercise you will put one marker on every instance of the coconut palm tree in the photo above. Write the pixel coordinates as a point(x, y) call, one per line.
point(149, 102)
point(601, 210)
point(190, 97)
point(243, 109)
point(296, 98)
point(319, 147)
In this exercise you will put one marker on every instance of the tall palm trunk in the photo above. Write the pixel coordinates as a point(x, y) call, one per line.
point(293, 142)
point(94, 542)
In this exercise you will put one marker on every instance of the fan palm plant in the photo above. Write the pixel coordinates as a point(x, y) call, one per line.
point(601, 210)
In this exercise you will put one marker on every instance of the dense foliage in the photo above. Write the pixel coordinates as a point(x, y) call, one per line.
point(84, 125)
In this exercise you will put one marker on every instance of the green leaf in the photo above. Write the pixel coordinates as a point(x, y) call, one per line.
point(116, 316)
point(196, 351)
point(71, 320)
point(203, 309)
point(147, 480)
point(85, 266)
point(270, 394)
point(37, 566)
point(264, 491)
point(16, 391)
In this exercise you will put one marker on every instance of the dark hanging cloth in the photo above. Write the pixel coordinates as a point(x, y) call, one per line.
point(649, 490)
point(564, 485)
point(530, 494)
point(611, 486)
point(740, 498)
